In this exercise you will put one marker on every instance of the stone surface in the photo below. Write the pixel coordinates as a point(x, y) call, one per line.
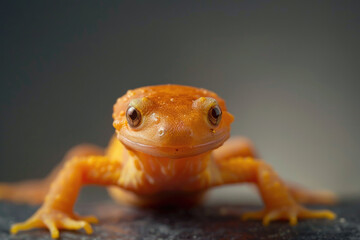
point(124, 223)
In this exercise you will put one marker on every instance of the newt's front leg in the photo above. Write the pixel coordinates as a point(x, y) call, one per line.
point(279, 203)
point(57, 210)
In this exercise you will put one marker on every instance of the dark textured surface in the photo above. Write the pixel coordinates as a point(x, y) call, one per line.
point(122, 223)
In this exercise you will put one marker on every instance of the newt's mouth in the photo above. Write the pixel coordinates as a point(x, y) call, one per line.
point(174, 151)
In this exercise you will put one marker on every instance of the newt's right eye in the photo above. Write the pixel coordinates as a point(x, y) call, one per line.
point(133, 116)
point(214, 115)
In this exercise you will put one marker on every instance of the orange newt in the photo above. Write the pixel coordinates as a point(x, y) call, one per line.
point(169, 148)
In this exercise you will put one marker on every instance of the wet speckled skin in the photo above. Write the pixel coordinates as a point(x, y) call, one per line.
point(171, 158)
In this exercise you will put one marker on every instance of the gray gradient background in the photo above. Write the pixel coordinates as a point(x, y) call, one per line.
point(289, 71)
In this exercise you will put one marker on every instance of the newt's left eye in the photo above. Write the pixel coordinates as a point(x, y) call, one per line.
point(214, 115)
point(133, 116)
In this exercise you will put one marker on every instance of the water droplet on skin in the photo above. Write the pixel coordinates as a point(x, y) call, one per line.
point(171, 99)
point(161, 132)
point(156, 118)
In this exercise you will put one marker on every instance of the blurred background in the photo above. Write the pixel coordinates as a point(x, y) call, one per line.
point(289, 71)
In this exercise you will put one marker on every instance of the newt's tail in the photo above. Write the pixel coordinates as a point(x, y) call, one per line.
point(306, 196)
point(31, 192)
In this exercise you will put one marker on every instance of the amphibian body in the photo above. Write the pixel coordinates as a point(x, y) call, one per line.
point(169, 148)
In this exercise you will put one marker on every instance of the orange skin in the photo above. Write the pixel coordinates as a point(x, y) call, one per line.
point(171, 157)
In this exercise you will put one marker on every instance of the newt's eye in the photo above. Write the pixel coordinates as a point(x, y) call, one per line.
point(133, 116)
point(214, 115)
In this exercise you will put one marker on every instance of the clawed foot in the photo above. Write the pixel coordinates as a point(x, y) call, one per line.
point(291, 213)
point(55, 220)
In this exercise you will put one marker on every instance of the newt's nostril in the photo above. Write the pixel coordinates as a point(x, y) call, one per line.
point(174, 136)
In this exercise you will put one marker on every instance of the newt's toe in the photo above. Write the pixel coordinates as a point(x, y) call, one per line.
point(290, 213)
point(50, 224)
point(306, 213)
point(29, 224)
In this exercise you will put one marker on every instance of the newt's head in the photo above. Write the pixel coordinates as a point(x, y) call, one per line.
point(171, 120)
